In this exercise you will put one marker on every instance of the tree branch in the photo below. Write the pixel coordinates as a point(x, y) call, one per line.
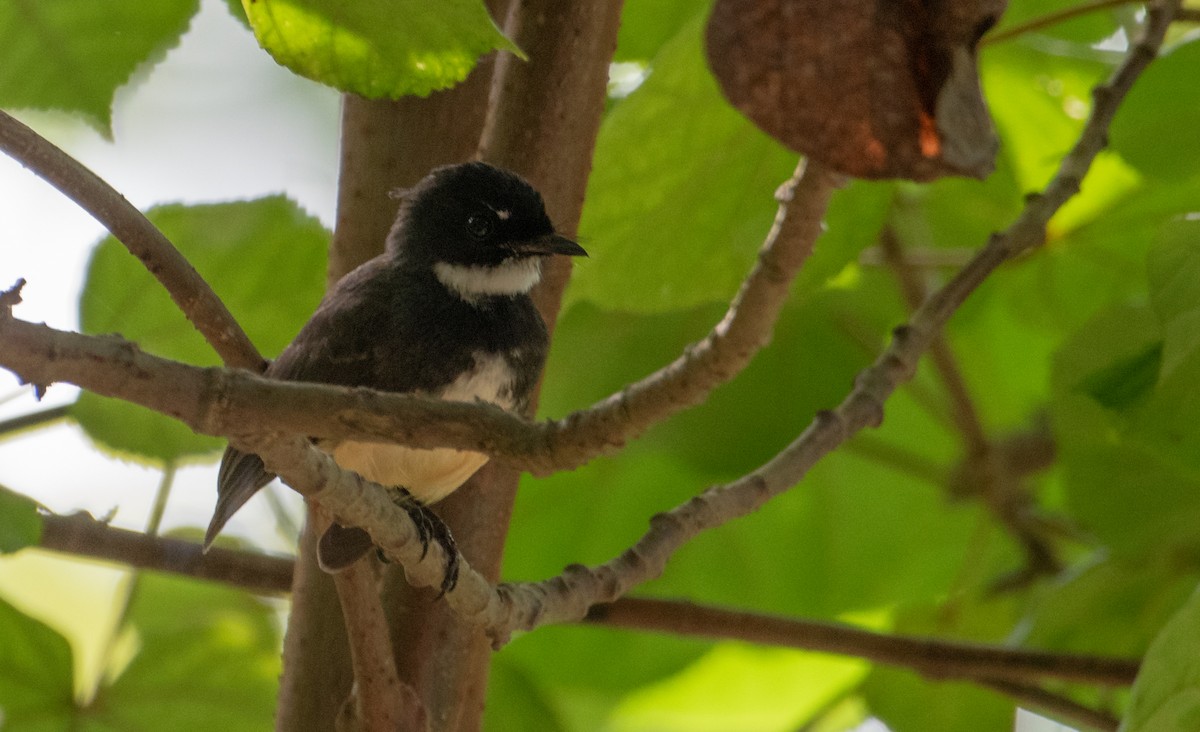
point(33, 419)
point(82, 535)
point(381, 700)
point(1060, 707)
point(1054, 18)
point(217, 403)
point(186, 287)
point(570, 595)
point(938, 659)
point(983, 470)
point(567, 597)
point(724, 352)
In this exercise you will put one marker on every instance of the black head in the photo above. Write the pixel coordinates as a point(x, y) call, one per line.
point(474, 214)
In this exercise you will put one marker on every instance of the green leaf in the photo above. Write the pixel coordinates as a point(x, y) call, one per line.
point(1132, 476)
point(36, 674)
point(1112, 607)
point(377, 48)
point(1039, 102)
point(647, 24)
point(264, 258)
point(1085, 28)
point(516, 700)
point(1173, 271)
point(579, 690)
point(20, 525)
point(1152, 129)
point(238, 12)
point(207, 658)
point(861, 545)
point(908, 703)
point(676, 219)
point(1166, 695)
point(1127, 380)
point(73, 55)
point(1099, 259)
point(737, 686)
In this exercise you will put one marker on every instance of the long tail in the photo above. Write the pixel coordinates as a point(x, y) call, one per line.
point(240, 477)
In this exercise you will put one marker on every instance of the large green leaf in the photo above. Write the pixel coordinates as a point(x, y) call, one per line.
point(1166, 695)
point(1086, 27)
point(36, 691)
point(20, 525)
point(191, 655)
point(74, 54)
point(1125, 407)
point(1133, 484)
point(1113, 607)
point(207, 658)
point(647, 24)
point(1039, 101)
point(908, 703)
point(736, 686)
point(264, 258)
point(674, 220)
point(1153, 128)
point(377, 48)
point(515, 700)
point(1173, 271)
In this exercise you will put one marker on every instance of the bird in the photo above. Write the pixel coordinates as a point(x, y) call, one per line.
point(444, 311)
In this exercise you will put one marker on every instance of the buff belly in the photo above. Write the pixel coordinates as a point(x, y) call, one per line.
point(430, 475)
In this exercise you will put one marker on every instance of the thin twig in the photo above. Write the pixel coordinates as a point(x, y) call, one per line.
point(133, 580)
point(186, 287)
point(568, 596)
point(1049, 19)
point(235, 403)
point(935, 658)
point(1060, 707)
point(983, 470)
point(34, 419)
point(914, 290)
point(82, 535)
point(898, 458)
point(506, 608)
point(381, 700)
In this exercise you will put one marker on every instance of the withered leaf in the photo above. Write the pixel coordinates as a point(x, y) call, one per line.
point(873, 88)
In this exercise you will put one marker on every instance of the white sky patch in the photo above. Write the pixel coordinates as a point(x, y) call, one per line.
point(180, 135)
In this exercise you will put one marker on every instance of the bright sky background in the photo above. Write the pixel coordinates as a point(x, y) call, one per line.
point(216, 120)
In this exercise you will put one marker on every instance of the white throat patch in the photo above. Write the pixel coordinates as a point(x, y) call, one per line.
point(471, 282)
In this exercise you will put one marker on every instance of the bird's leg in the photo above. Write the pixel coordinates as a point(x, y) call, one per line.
point(430, 527)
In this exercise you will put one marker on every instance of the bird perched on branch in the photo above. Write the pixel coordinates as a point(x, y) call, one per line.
point(444, 312)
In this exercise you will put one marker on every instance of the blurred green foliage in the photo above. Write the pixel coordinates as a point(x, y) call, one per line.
point(1095, 335)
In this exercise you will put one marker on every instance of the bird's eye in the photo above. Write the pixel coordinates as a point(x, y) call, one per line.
point(480, 225)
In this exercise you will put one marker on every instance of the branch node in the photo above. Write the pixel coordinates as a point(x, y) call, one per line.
point(11, 297)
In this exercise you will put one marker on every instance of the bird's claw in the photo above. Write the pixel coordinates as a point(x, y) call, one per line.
point(430, 527)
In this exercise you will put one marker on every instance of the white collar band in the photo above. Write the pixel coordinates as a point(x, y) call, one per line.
point(471, 282)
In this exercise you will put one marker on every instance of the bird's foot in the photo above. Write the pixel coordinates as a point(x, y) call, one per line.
point(430, 527)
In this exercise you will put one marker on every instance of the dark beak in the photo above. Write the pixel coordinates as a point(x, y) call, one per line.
point(550, 244)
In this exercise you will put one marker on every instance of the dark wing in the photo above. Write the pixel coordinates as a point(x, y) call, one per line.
point(336, 346)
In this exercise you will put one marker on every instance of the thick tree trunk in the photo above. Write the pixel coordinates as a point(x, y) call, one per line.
point(385, 145)
point(543, 123)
